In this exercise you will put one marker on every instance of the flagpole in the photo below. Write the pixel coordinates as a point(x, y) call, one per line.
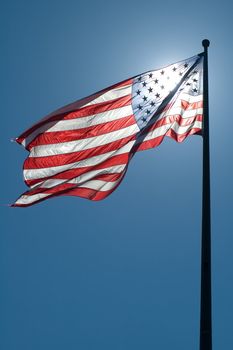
point(206, 312)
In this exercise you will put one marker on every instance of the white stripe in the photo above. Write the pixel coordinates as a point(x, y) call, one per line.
point(82, 178)
point(189, 98)
point(185, 113)
point(97, 185)
point(183, 129)
point(84, 144)
point(24, 199)
point(95, 119)
point(107, 96)
point(30, 174)
point(160, 131)
point(81, 122)
point(112, 94)
point(100, 185)
point(177, 108)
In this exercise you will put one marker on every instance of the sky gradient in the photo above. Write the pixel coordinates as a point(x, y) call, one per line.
point(123, 273)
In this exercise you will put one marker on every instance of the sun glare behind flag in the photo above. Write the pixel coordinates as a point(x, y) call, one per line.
point(84, 149)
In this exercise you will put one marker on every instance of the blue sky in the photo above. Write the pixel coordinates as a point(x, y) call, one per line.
point(123, 273)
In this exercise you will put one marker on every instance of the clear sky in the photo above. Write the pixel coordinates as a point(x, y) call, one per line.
point(123, 273)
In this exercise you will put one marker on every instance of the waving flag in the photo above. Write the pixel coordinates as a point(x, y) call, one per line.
point(84, 149)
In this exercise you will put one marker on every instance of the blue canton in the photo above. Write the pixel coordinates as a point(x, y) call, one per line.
point(150, 89)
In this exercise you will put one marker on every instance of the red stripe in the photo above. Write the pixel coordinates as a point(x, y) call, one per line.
point(181, 137)
point(89, 193)
point(92, 194)
point(84, 101)
point(183, 104)
point(79, 134)
point(171, 119)
point(62, 159)
point(120, 159)
point(51, 161)
point(62, 187)
point(95, 109)
point(170, 133)
point(178, 119)
point(100, 129)
point(99, 107)
point(194, 105)
point(80, 192)
point(82, 112)
point(98, 195)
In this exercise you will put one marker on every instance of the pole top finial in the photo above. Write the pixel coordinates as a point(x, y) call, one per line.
point(205, 43)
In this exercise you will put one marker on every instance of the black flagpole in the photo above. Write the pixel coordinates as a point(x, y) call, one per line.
point(206, 317)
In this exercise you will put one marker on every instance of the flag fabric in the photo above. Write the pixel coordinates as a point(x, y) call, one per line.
point(84, 148)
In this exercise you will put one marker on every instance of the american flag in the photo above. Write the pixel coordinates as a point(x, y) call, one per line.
point(84, 148)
